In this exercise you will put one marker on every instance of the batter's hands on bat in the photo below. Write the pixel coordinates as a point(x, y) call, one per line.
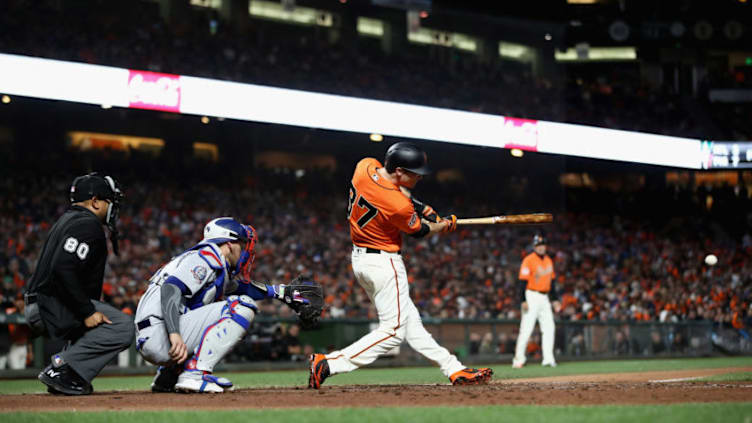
point(451, 223)
point(178, 350)
point(96, 319)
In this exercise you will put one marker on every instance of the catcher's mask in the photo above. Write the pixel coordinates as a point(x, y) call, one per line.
point(104, 188)
point(227, 229)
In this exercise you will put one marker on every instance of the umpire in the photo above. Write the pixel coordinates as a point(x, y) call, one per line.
point(62, 297)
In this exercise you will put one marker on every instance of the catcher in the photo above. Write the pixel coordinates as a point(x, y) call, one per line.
point(202, 302)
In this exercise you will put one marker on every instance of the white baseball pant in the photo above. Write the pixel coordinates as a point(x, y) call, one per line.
point(384, 278)
point(16, 357)
point(538, 309)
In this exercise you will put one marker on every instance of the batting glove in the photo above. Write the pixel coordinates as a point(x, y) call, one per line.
point(452, 226)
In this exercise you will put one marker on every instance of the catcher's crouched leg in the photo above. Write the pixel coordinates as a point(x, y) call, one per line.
point(217, 341)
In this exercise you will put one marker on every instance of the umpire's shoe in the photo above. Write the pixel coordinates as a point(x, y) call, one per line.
point(166, 378)
point(471, 376)
point(64, 380)
point(319, 370)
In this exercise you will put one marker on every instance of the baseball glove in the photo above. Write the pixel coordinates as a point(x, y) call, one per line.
point(306, 298)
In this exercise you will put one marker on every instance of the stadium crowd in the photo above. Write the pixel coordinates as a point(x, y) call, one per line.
point(609, 267)
point(304, 58)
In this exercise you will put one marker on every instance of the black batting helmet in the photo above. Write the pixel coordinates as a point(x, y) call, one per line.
point(539, 239)
point(407, 156)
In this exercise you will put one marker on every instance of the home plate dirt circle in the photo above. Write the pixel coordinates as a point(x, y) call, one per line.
point(621, 388)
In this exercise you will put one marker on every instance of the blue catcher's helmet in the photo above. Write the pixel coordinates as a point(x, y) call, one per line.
point(227, 229)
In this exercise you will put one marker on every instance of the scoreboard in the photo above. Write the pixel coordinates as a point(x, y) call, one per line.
point(726, 154)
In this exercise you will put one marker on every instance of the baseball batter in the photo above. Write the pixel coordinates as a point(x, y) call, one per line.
point(379, 211)
point(199, 305)
point(537, 276)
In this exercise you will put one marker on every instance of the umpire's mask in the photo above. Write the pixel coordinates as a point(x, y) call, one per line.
point(104, 188)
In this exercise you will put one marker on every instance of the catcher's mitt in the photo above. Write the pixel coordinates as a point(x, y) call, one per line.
point(306, 298)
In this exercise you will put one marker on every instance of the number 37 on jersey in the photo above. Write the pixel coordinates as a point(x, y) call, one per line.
point(359, 209)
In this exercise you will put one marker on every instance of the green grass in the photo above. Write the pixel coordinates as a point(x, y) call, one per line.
point(729, 377)
point(711, 412)
point(411, 375)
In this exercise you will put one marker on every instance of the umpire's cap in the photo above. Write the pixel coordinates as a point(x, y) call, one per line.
point(94, 185)
point(539, 239)
point(407, 156)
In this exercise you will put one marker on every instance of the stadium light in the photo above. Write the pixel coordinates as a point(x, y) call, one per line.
point(370, 27)
point(597, 53)
point(377, 137)
point(204, 119)
point(107, 106)
point(298, 15)
point(6, 99)
point(516, 152)
point(515, 51)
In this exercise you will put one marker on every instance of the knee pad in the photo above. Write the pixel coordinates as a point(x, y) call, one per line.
point(241, 309)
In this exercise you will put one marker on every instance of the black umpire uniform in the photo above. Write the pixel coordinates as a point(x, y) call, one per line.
point(67, 285)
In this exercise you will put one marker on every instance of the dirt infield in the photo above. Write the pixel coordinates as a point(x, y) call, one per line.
point(622, 388)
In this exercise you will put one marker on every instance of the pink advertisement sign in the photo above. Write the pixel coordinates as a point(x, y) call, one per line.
point(520, 133)
point(154, 91)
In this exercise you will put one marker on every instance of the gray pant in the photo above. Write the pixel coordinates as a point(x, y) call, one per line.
point(154, 345)
point(98, 346)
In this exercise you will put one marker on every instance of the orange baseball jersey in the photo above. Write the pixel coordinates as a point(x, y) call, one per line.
point(538, 272)
point(377, 210)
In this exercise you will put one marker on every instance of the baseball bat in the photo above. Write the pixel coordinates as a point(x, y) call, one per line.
point(510, 219)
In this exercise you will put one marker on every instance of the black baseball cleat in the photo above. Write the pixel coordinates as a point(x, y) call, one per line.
point(166, 378)
point(64, 380)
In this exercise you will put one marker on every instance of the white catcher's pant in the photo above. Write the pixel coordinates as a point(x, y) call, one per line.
point(384, 278)
point(220, 325)
point(538, 308)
